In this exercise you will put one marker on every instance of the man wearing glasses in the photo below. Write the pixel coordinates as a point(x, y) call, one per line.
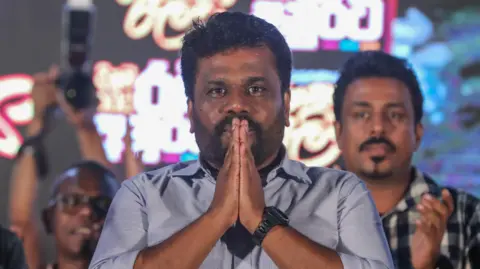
point(80, 200)
point(80, 195)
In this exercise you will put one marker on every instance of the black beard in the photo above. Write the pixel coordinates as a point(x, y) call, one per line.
point(212, 150)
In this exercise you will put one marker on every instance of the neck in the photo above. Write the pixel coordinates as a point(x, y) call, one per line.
point(388, 192)
point(64, 262)
point(269, 160)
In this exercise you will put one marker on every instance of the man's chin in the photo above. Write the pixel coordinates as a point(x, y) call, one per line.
point(378, 175)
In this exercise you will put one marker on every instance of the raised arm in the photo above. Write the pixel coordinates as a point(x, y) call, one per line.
point(89, 140)
point(24, 182)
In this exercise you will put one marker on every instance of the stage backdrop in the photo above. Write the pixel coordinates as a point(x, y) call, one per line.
point(137, 72)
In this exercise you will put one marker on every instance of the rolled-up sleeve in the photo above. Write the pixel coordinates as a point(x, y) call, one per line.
point(124, 233)
point(362, 241)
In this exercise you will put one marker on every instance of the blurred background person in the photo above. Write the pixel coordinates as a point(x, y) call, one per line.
point(12, 255)
point(378, 107)
point(80, 195)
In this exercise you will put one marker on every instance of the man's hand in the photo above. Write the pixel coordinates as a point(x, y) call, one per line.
point(79, 119)
point(225, 200)
point(252, 201)
point(133, 160)
point(43, 94)
point(430, 230)
point(43, 91)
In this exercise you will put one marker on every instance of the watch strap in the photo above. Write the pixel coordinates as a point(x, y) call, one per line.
point(263, 228)
point(269, 220)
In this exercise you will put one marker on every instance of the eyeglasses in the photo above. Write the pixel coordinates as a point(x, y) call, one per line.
point(72, 203)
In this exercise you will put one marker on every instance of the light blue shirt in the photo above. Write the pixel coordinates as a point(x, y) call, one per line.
point(331, 207)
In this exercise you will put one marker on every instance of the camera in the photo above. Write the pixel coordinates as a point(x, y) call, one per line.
point(75, 79)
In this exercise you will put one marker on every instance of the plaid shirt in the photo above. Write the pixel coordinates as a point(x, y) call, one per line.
point(460, 247)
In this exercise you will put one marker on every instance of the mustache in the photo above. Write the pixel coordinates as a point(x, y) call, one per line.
point(378, 140)
point(253, 125)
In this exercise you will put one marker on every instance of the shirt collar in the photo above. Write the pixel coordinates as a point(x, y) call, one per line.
point(420, 184)
point(294, 169)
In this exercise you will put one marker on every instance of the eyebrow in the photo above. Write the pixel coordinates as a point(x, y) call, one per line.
point(217, 82)
point(248, 81)
point(252, 80)
point(361, 104)
point(395, 105)
point(388, 105)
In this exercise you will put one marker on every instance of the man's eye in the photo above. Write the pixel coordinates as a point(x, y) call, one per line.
point(397, 116)
point(360, 115)
point(255, 90)
point(216, 92)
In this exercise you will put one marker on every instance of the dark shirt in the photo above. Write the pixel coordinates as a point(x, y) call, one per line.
point(11, 251)
point(460, 246)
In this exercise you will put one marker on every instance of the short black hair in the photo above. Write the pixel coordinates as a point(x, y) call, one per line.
point(369, 64)
point(232, 30)
point(104, 174)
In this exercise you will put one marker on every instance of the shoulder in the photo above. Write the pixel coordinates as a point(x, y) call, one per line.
point(157, 178)
point(8, 239)
point(11, 249)
point(467, 206)
point(342, 181)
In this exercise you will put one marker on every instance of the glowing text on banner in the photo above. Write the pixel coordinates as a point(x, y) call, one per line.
point(349, 25)
point(311, 135)
point(156, 105)
point(146, 17)
point(340, 25)
point(161, 129)
point(16, 108)
point(160, 126)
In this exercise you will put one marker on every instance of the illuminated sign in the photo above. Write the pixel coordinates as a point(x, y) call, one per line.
point(346, 25)
point(350, 25)
point(15, 109)
point(156, 103)
point(144, 17)
point(154, 97)
point(311, 136)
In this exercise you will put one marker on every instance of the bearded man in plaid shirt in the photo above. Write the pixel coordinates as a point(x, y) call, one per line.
point(378, 106)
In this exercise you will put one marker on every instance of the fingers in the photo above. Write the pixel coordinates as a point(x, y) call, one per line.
point(448, 199)
point(434, 213)
point(438, 207)
point(53, 73)
point(246, 155)
point(46, 77)
point(245, 152)
point(430, 217)
point(17, 230)
point(127, 139)
point(233, 147)
point(139, 156)
point(423, 226)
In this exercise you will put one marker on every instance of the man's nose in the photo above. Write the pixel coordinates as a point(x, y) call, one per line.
point(378, 123)
point(236, 103)
point(85, 210)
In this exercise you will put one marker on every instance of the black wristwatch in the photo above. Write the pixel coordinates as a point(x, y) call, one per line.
point(272, 217)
